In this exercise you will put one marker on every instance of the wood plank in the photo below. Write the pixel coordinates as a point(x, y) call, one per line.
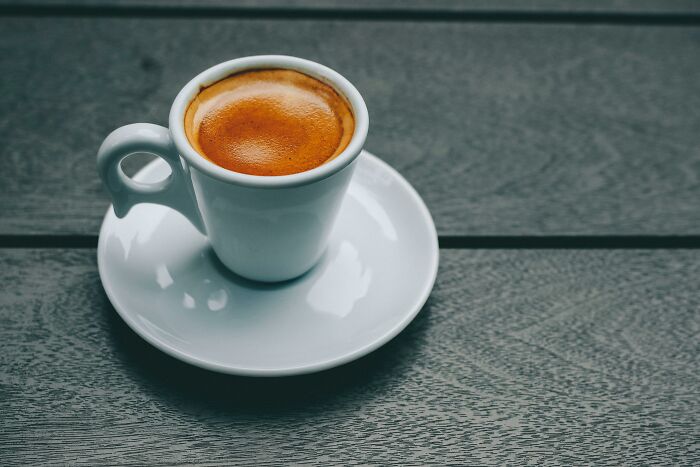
point(562, 357)
point(504, 129)
point(600, 6)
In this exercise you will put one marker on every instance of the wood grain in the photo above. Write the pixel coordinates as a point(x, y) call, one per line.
point(542, 357)
point(607, 6)
point(504, 129)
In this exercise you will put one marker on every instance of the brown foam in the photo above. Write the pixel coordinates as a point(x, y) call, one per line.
point(269, 122)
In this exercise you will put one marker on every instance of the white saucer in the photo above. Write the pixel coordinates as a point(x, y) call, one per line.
point(166, 283)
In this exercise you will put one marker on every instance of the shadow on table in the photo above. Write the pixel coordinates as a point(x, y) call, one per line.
point(178, 383)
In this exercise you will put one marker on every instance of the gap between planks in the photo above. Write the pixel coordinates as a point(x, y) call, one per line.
point(348, 14)
point(488, 242)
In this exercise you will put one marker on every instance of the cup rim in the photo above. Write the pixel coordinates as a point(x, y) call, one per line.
point(224, 69)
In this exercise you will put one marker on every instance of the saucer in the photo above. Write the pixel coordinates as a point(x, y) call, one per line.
point(168, 286)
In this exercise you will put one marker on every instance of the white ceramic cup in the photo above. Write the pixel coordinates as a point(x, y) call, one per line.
point(267, 228)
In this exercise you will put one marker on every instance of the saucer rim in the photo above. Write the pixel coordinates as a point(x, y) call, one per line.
point(191, 359)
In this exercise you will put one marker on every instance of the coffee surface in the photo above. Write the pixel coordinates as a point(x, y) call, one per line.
point(269, 122)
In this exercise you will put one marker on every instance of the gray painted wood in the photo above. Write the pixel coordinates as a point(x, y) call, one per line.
point(503, 129)
point(607, 6)
point(547, 357)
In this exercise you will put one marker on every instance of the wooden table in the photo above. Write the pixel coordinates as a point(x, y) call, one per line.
point(557, 145)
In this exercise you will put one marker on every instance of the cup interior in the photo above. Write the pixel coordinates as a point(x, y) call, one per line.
point(223, 70)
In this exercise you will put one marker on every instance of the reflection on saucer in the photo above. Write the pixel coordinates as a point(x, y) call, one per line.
point(374, 209)
point(340, 283)
point(217, 300)
point(163, 277)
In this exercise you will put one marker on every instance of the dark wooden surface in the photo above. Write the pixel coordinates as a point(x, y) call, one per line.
point(526, 119)
point(547, 357)
point(505, 129)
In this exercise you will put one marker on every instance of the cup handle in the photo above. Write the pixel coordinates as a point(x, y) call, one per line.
point(175, 191)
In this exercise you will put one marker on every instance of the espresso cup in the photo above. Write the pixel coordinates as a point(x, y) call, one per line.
point(266, 228)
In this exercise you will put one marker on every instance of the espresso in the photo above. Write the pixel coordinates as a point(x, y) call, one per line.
point(269, 122)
